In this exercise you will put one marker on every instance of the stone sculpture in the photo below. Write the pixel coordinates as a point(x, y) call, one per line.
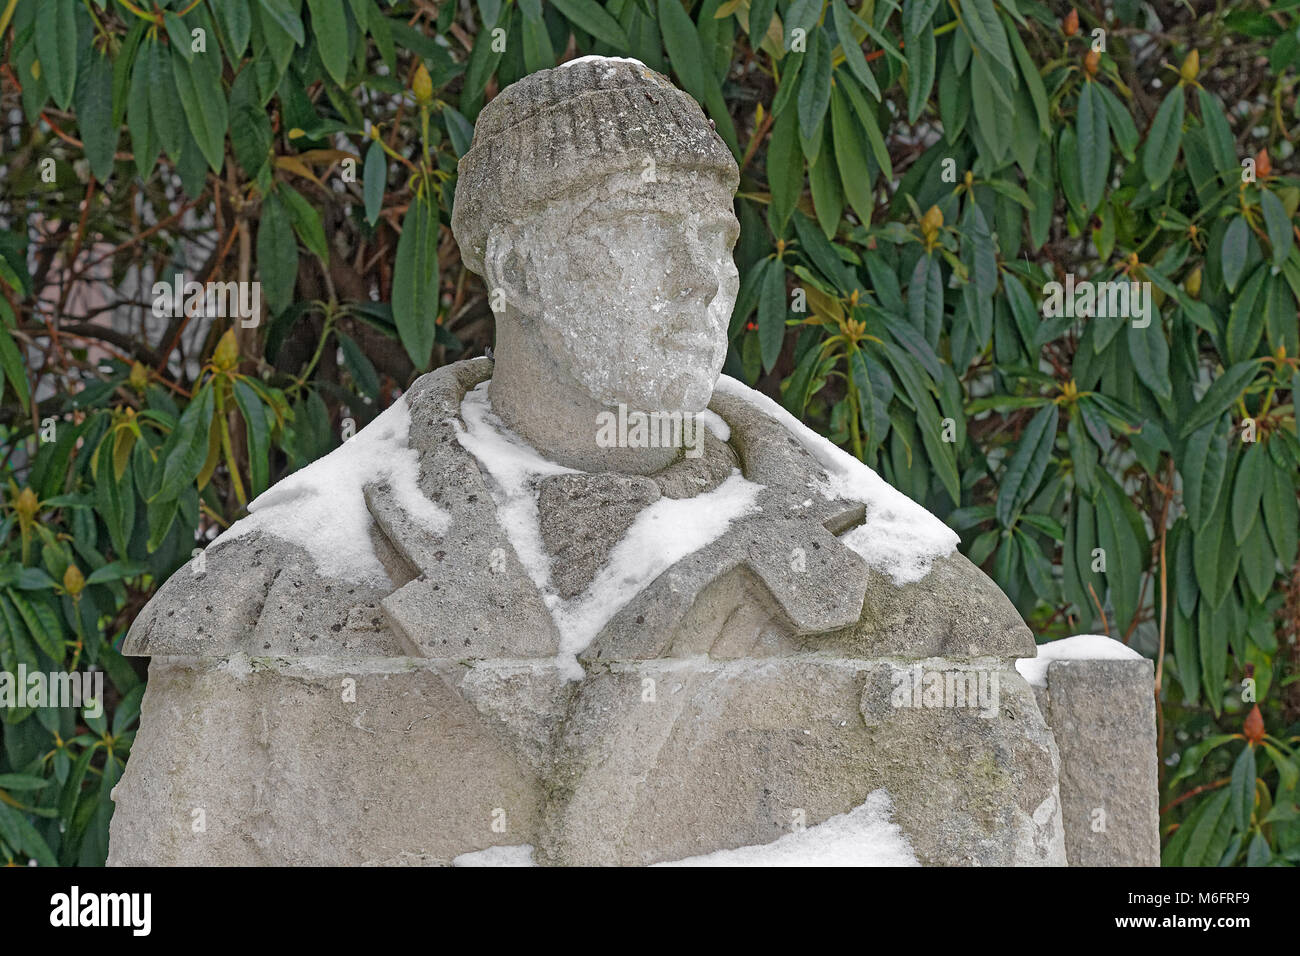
point(588, 603)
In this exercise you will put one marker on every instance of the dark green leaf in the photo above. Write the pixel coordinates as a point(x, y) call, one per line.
point(1279, 227)
point(785, 174)
point(867, 115)
point(853, 56)
point(925, 294)
point(1242, 788)
point(772, 314)
point(760, 19)
point(814, 85)
point(921, 67)
point(986, 32)
point(285, 14)
point(1150, 353)
point(277, 254)
point(415, 280)
point(258, 435)
point(1164, 139)
point(1120, 122)
point(250, 129)
point(1247, 317)
point(850, 157)
point(56, 46)
point(306, 222)
point(1233, 251)
point(93, 102)
point(459, 129)
point(186, 447)
point(1203, 466)
point(917, 15)
point(179, 35)
point(590, 17)
point(375, 180)
point(1093, 144)
point(1027, 466)
point(1281, 513)
point(204, 102)
point(1222, 146)
point(330, 27)
point(1218, 398)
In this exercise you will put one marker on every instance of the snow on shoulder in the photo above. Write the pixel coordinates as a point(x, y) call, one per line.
point(321, 508)
point(1083, 647)
point(899, 537)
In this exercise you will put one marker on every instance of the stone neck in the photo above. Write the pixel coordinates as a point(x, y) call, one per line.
point(541, 403)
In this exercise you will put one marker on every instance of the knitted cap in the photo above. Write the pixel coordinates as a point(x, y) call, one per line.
point(569, 127)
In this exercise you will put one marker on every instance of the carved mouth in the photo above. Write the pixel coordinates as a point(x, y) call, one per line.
point(699, 343)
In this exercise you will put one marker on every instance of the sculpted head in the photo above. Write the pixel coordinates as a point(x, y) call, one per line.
point(596, 202)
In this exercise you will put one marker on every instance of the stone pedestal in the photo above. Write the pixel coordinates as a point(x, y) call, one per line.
point(410, 761)
point(1103, 717)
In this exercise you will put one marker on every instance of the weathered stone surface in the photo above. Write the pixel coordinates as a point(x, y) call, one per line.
point(406, 761)
point(583, 517)
point(730, 754)
point(470, 597)
point(1102, 713)
point(954, 611)
point(278, 768)
point(258, 594)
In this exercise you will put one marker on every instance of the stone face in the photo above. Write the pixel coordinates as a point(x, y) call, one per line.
point(609, 655)
point(1103, 715)
point(597, 198)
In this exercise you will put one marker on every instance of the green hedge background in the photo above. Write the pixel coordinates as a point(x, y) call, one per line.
point(912, 175)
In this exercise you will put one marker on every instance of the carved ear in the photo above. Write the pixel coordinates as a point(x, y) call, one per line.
point(505, 268)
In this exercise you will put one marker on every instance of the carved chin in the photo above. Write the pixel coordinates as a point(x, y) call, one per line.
point(678, 390)
point(667, 390)
point(696, 389)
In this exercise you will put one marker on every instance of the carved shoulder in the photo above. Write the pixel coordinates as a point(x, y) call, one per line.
point(210, 606)
point(261, 596)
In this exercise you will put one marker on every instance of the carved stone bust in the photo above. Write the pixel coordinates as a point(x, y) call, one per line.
point(587, 602)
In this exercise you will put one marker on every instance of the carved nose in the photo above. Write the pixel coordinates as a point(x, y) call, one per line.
point(696, 279)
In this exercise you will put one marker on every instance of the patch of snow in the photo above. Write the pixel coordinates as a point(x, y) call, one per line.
point(862, 837)
point(1083, 647)
point(715, 423)
point(237, 665)
point(321, 507)
point(899, 537)
point(1044, 812)
point(662, 534)
point(593, 58)
point(521, 855)
point(514, 466)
